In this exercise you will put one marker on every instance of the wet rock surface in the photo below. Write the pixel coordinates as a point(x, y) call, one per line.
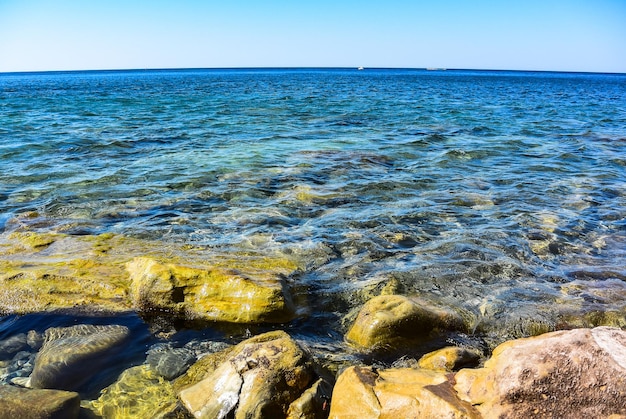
point(70, 356)
point(389, 323)
point(21, 403)
point(139, 392)
point(211, 293)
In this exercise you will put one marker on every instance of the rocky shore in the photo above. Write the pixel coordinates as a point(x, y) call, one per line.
point(399, 355)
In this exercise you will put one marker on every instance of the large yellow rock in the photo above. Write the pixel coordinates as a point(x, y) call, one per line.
point(390, 322)
point(367, 393)
point(579, 373)
point(55, 272)
point(211, 293)
point(259, 378)
point(43, 272)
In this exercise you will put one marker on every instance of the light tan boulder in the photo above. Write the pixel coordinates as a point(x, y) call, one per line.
point(389, 322)
point(367, 393)
point(578, 373)
point(211, 293)
point(260, 378)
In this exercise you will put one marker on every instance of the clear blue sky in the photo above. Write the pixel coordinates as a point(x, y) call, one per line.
point(563, 35)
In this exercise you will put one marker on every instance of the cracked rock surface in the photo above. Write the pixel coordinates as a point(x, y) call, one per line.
point(259, 378)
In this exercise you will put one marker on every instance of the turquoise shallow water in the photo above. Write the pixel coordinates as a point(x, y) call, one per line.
point(499, 192)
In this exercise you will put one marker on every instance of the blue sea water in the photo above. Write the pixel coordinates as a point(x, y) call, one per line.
point(503, 193)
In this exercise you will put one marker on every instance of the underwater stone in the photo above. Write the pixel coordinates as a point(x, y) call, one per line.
point(389, 322)
point(260, 378)
point(10, 346)
point(70, 356)
point(139, 392)
point(170, 362)
point(211, 293)
point(16, 402)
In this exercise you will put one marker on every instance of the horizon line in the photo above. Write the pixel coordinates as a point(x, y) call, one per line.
point(430, 69)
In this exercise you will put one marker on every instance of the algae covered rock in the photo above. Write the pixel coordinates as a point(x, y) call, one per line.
point(575, 373)
point(451, 358)
point(139, 392)
point(389, 322)
point(22, 403)
point(368, 393)
point(212, 293)
point(43, 272)
point(259, 378)
point(71, 356)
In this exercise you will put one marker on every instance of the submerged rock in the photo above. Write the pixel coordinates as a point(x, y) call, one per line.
point(389, 322)
point(41, 272)
point(575, 373)
point(10, 346)
point(22, 403)
point(210, 293)
point(259, 378)
point(170, 362)
point(71, 356)
point(139, 392)
point(368, 393)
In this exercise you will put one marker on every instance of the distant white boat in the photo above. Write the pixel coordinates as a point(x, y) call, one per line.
point(360, 68)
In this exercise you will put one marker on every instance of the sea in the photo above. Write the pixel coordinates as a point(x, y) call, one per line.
point(501, 193)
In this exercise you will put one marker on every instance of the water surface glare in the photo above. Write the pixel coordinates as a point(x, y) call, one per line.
point(502, 193)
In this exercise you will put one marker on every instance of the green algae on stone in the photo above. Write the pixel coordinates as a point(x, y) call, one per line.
point(209, 293)
point(139, 392)
point(88, 274)
point(389, 322)
point(34, 240)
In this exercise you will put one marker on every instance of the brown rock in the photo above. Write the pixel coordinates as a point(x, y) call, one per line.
point(16, 402)
point(364, 393)
point(568, 374)
point(389, 322)
point(259, 379)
